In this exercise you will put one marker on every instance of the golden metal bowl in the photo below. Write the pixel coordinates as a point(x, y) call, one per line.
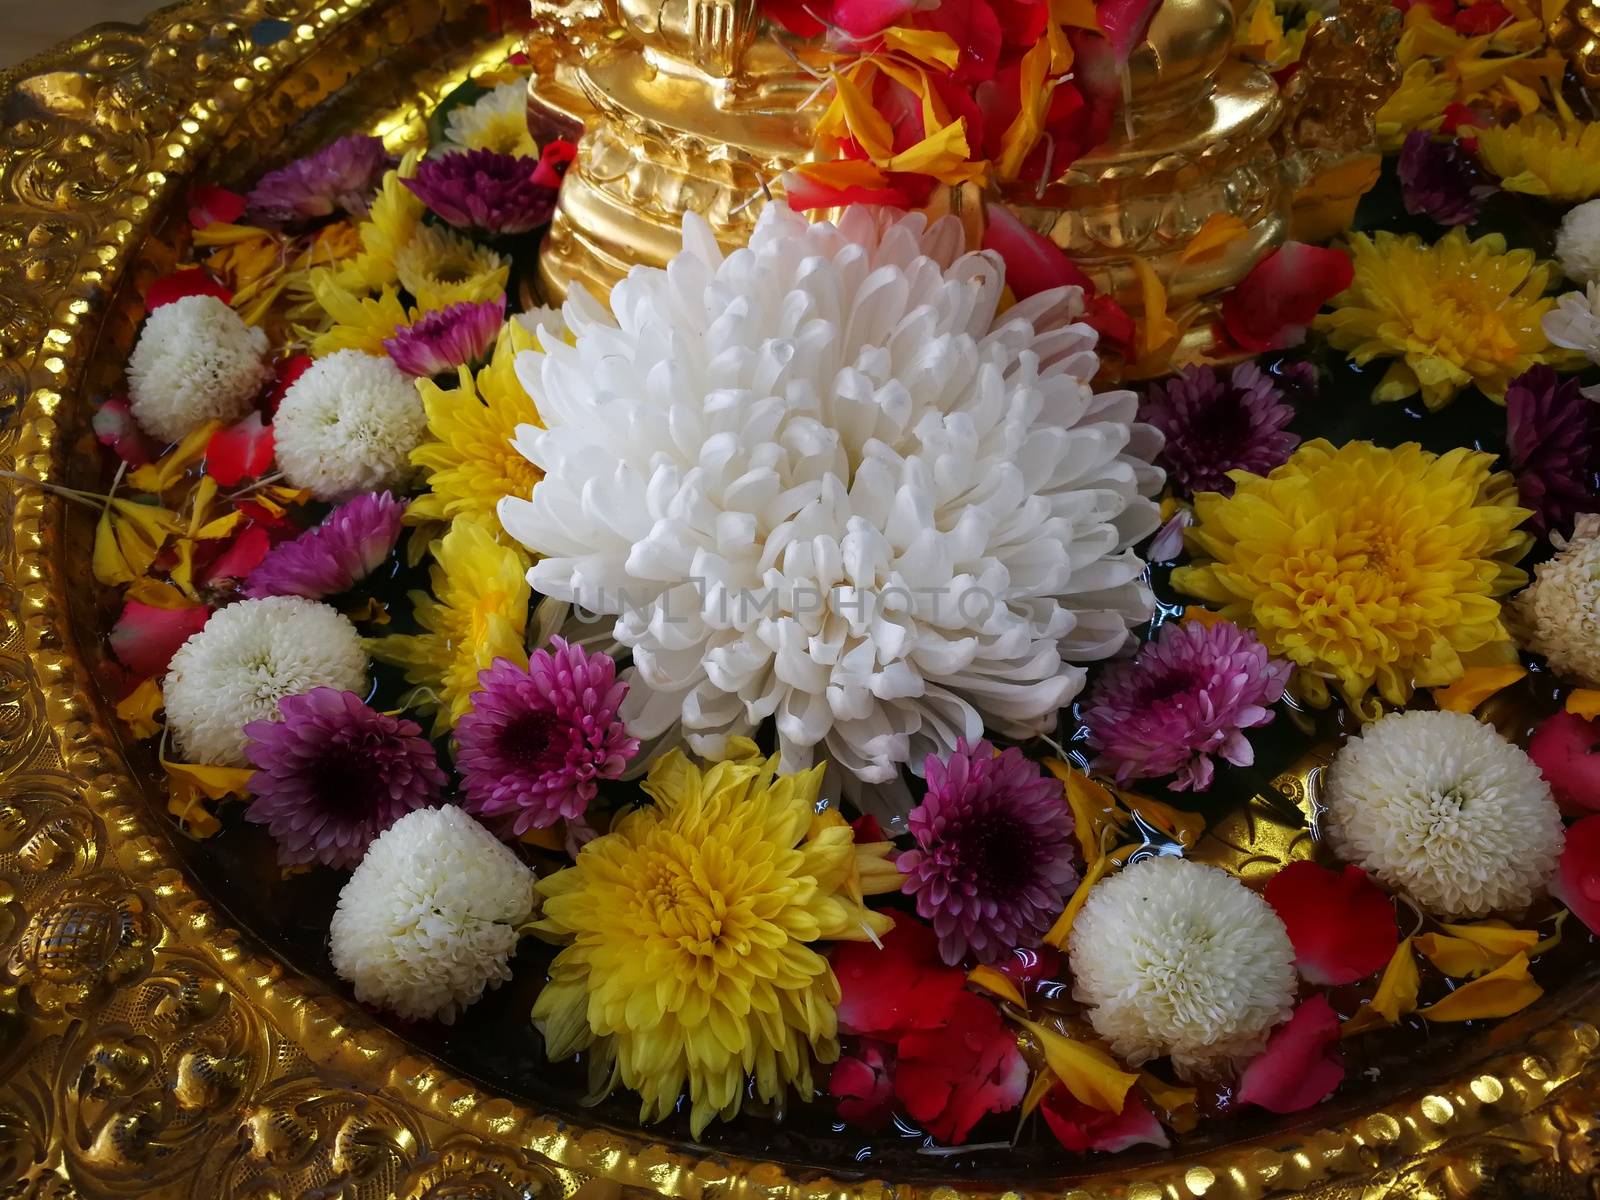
point(154, 1041)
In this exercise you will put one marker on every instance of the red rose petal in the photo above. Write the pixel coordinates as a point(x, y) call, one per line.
point(1578, 873)
point(1566, 749)
point(864, 18)
point(146, 637)
point(1080, 1127)
point(241, 451)
point(865, 829)
point(1270, 308)
point(949, 1078)
point(114, 426)
point(864, 1086)
point(212, 205)
point(1302, 1064)
point(1033, 262)
point(192, 281)
point(243, 555)
point(903, 986)
point(285, 372)
point(1342, 925)
point(805, 193)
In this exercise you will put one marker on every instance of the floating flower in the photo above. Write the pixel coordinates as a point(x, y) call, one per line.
point(488, 192)
point(863, 1084)
point(1566, 749)
point(1343, 928)
point(1272, 307)
point(1172, 957)
point(1191, 692)
point(1215, 423)
point(994, 858)
point(430, 916)
point(351, 543)
point(496, 121)
point(476, 615)
point(332, 774)
point(950, 1077)
point(1364, 566)
point(349, 425)
point(1578, 243)
point(391, 224)
point(887, 542)
point(1302, 1064)
point(195, 361)
point(1441, 807)
point(1441, 180)
point(440, 268)
point(894, 986)
point(694, 913)
point(538, 737)
point(469, 456)
point(248, 657)
point(1559, 614)
point(1553, 441)
point(1574, 323)
point(1544, 157)
point(1578, 877)
point(340, 177)
point(1453, 314)
point(458, 336)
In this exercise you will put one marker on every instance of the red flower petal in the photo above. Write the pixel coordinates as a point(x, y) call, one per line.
point(1033, 262)
point(285, 372)
point(1025, 968)
point(975, 28)
point(114, 426)
point(554, 160)
point(243, 555)
point(805, 193)
point(866, 829)
point(949, 1077)
point(1080, 1127)
point(864, 1085)
point(797, 16)
point(146, 637)
point(902, 987)
point(1110, 320)
point(864, 18)
point(279, 527)
point(1270, 307)
point(1578, 873)
point(1302, 1064)
point(190, 282)
point(241, 451)
point(210, 205)
point(1485, 16)
point(1342, 925)
point(1567, 750)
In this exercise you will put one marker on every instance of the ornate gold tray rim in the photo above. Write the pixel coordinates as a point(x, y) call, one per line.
point(1533, 1098)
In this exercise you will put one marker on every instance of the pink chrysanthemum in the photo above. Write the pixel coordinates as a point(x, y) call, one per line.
point(481, 190)
point(333, 774)
point(340, 177)
point(333, 557)
point(1188, 694)
point(460, 335)
point(539, 738)
point(994, 857)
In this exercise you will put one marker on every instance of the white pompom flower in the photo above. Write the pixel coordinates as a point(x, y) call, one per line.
point(1174, 957)
point(1578, 243)
point(1558, 614)
point(429, 917)
point(195, 361)
point(245, 659)
point(1441, 807)
point(349, 425)
point(825, 480)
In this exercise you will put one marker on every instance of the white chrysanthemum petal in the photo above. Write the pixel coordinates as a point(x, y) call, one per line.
point(249, 656)
point(1578, 243)
point(1574, 323)
point(429, 917)
point(1173, 957)
point(1441, 807)
point(349, 425)
point(1559, 613)
point(820, 480)
point(497, 120)
point(195, 361)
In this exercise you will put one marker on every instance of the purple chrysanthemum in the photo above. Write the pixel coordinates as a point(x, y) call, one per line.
point(333, 774)
point(1214, 424)
point(539, 738)
point(1441, 180)
point(482, 190)
point(352, 541)
point(340, 177)
point(460, 335)
point(994, 860)
point(1553, 435)
point(1188, 694)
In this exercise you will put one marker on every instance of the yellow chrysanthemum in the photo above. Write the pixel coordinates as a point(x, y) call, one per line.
point(477, 613)
point(689, 927)
point(1544, 157)
point(497, 120)
point(355, 322)
point(469, 457)
point(1364, 566)
point(440, 268)
point(1455, 313)
point(1418, 103)
point(389, 226)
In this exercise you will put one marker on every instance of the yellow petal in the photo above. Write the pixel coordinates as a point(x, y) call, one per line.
point(942, 154)
point(171, 467)
point(110, 567)
point(1475, 686)
point(1094, 808)
point(1075, 14)
point(843, 173)
point(925, 45)
point(139, 707)
point(1086, 1071)
point(1176, 1104)
point(865, 123)
point(1213, 237)
point(190, 785)
point(1202, 616)
point(1037, 1091)
point(1062, 929)
point(1027, 126)
point(546, 839)
point(1184, 827)
point(1456, 957)
point(996, 983)
point(1500, 940)
point(157, 594)
point(1505, 990)
point(221, 527)
point(1396, 995)
point(1584, 702)
point(1156, 329)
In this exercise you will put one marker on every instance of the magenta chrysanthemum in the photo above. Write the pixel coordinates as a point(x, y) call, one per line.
point(333, 774)
point(1553, 435)
point(1188, 694)
point(994, 857)
point(352, 541)
point(340, 177)
point(460, 335)
point(1215, 424)
point(539, 738)
point(482, 190)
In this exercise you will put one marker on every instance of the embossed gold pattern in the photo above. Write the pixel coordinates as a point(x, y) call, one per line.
point(149, 1049)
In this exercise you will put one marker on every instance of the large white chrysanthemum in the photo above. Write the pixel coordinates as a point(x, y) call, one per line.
point(195, 361)
point(247, 657)
point(429, 917)
point(1578, 243)
point(1441, 807)
point(349, 425)
point(822, 480)
point(1558, 615)
point(1173, 957)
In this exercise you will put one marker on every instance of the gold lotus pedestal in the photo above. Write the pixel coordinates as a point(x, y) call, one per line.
point(159, 1037)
